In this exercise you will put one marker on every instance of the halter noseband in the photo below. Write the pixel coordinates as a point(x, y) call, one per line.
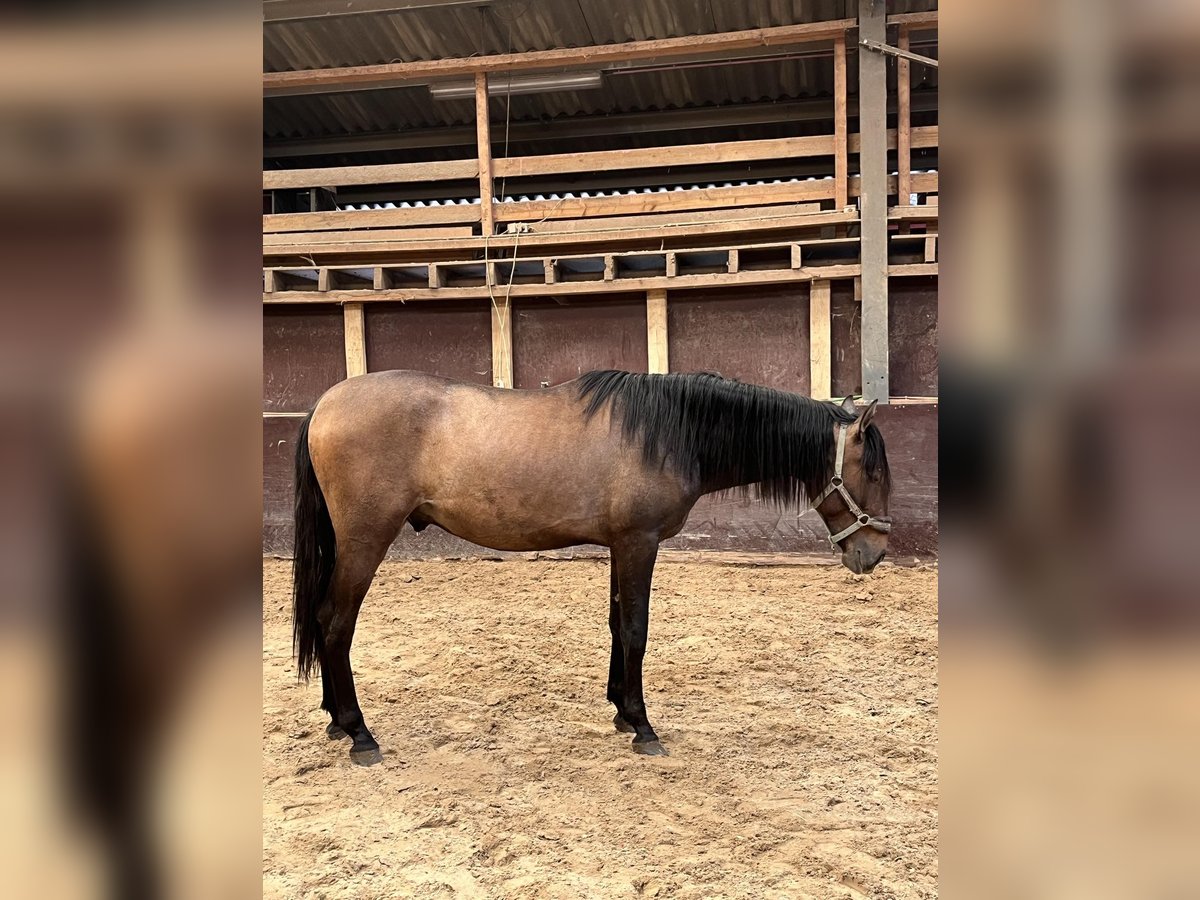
point(861, 519)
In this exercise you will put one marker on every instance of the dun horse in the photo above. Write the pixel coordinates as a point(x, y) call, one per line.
point(612, 458)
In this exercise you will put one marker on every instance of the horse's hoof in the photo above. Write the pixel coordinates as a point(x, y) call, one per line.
point(650, 748)
point(335, 732)
point(368, 756)
point(621, 725)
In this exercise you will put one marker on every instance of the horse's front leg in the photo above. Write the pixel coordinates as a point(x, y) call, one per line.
point(616, 662)
point(634, 562)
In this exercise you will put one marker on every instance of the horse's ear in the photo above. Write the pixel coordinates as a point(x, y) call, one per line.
point(848, 404)
point(865, 419)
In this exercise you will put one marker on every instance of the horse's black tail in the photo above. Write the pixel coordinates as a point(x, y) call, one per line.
point(313, 555)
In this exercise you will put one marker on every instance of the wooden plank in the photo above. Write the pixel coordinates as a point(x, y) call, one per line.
point(656, 157)
point(820, 359)
point(608, 236)
point(381, 278)
point(422, 71)
point(435, 276)
point(484, 148)
point(597, 288)
point(841, 169)
point(388, 173)
point(921, 137)
point(550, 268)
point(609, 267)
point(671, 217)
point(917, 20)
point(872, 119)
point(903, 122)
point(797, 256)
point(270, 284)
point(656, 331)
point(672, 264)
point(502, 343)
point(732, 263)
point(370, 218)
point(356, 341)
point(351, 237)
point(931, 248)
point(324, 280)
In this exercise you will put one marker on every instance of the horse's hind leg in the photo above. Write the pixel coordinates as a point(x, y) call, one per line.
point(329, 704)
point(352, 574)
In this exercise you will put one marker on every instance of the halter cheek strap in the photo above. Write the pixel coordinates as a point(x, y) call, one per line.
point(861, 519)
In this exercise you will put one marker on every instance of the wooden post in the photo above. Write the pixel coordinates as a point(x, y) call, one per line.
point(656, 331)
point(903, 123)
point(356, 339)
point(872, 126)
point(820, 359)
point(502, 343)
point(483, 137)
point(841, 175)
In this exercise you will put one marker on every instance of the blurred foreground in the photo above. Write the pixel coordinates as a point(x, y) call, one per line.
point(129, 429)
point(1070, 599)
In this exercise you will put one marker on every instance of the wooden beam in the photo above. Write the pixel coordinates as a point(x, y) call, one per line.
point(841, 170)
point(657, 157)
point(278, 223)
point(502, 342)
point(915, 21)
point(872, 126)
point(656, 331)
point(670, 217)
point(335, 176)
point(903, 122)
point(356, 339)
point(763, 223)
point(278, 239)
point(484, 149)
point(820, 359)
point(576, 288)
point(424, 71)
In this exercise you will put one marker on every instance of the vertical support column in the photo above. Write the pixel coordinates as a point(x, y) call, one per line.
point(502, 343)
point(483, 137)
point(656, 331)
point(872, 119)
point(903, 122)
point(841, 174)
point(820, 358)
point(356, 339)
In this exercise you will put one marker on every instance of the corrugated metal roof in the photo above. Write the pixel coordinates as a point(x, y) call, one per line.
point(520, 25)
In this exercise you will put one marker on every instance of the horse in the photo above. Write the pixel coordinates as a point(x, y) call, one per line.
point(611, 458)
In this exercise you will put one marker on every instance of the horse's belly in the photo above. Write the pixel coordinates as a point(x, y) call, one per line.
point(511, 528)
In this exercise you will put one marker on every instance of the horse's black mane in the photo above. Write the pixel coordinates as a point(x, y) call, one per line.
point(715, 428)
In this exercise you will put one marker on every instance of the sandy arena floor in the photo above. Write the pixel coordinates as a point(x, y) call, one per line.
point(799, 705)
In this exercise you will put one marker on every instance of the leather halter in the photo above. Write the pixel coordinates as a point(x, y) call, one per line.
point(861, 519)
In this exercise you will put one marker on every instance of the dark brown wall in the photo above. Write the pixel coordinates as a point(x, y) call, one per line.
point(912, 337)
point(556, 341)
point(453, 338)
point(304, 354)
point(754, 334)
point(845, 339)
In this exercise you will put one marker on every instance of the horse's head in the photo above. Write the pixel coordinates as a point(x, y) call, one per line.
point(854, 505)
